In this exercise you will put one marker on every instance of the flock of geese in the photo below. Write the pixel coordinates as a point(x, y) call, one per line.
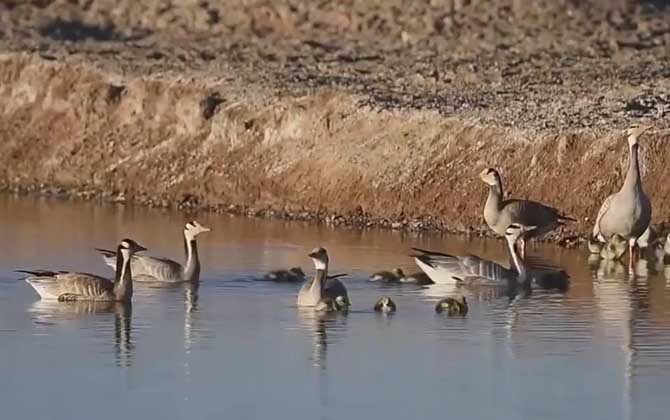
point(622, 223)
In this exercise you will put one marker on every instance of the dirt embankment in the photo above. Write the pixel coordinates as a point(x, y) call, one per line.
point(376, 112)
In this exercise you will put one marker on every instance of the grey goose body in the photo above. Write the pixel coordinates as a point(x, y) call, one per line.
point(500, 213)
point(321, 291)
point(627, 212)
point(76, 286)
point(148, 268)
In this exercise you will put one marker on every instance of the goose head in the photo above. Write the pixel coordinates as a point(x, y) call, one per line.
point(193, 229)
point(128, 247)
point(515, 231)
point(634, 132)
point(320, 258)
point(490, 177)
point(385, 304)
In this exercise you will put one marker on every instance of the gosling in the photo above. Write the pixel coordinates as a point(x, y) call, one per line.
point(394, 276)
point(452, 306)
point(292, 275)
point(385, 305)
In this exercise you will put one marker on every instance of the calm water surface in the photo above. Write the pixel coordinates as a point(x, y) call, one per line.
point(238, 348)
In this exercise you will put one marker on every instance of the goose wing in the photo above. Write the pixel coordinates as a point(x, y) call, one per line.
point(601, 213)
point(52, 284)
point(335, 288)
point(532, 213)
point(147, 268)
point(450, 269)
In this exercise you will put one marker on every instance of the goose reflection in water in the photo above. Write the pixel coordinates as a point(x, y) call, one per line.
point(47, 312)
point(320, 325)
point(191, 330)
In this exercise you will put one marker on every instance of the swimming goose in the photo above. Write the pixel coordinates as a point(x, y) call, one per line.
point(627, 212)
point(320, 288)
point(154, 269)
point(452, 306)
point(385, 304)
point(454, 269)
point(394, 276)
point(69, 286)
point(500, 213)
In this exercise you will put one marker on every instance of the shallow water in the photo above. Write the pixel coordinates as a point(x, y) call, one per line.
point(239, 348)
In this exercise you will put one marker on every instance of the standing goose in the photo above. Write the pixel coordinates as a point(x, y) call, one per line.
point(154, 269)
point(322, 291)
point(69, 286)
point(500, 213)
point(627, 212)
point(454, 269)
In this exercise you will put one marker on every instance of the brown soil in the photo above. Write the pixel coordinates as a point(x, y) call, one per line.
point(377, 112)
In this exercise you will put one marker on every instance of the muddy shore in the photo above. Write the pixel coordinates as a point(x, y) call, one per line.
point(374, 113)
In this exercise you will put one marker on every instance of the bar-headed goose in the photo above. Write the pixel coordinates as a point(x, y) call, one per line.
point(322, 289)
point(500, 213)
point(627, 212)
point(155, 269)
point(456, 269)
point(72, 286)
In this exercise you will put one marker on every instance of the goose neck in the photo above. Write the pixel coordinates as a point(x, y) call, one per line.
point(192, 266)
point(123, 282)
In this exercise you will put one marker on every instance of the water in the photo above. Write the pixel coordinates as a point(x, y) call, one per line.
point(239, 348)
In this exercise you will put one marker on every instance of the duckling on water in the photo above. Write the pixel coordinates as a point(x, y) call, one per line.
point(339, 304)
point(292, 275)
point(385, 304)
point(452, 306)
point(393, 276)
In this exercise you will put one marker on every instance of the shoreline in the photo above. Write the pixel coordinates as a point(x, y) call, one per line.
point(355, 222)
point(270, 113)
